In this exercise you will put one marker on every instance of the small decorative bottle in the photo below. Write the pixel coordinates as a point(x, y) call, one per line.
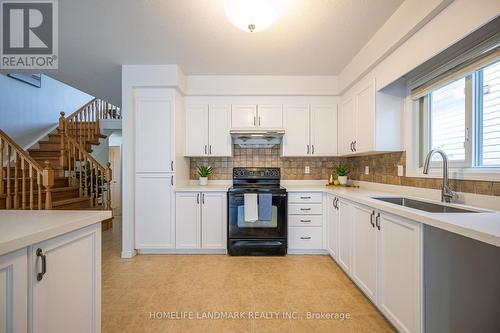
point(330, 180)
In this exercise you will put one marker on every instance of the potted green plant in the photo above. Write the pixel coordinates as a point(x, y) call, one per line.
point(342, 171)
point(204, 171)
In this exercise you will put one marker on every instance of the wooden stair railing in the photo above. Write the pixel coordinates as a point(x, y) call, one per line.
point(20, 168)
point(84, 124)
point(85, 172)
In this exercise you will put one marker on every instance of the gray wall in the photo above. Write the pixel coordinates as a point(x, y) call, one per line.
point(28, 112)
point(462, 284)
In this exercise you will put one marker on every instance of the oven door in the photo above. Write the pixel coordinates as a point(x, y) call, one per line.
point(239, 228)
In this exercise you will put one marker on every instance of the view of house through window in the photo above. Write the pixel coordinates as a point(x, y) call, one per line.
point(462, 118)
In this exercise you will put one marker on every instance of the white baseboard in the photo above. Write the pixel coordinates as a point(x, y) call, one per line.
point(181, 251)
point(128, 254)
point(319, 251)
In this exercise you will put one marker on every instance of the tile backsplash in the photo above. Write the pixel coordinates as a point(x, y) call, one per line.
point(383, 169)
point(291, 167)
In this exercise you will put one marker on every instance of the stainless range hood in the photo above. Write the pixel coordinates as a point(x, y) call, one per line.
point(257, 138)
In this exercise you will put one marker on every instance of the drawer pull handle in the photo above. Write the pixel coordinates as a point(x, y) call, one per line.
point(304, 198)
point(305, 221)
point(39, 253)
point(305, 238)
point(305, 209)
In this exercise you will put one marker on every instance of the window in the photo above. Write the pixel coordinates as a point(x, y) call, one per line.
point(489, 115)
point(462, 118)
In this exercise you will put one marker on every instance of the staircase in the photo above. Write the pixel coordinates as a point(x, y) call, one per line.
point(60, 173)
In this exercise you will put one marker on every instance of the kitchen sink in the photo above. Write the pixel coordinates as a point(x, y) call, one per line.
point(423, 205)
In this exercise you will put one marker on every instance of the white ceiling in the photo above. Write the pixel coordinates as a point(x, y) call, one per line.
point(315, 37)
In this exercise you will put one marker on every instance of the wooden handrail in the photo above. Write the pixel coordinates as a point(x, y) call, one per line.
point(22, 162)
point(83, 170)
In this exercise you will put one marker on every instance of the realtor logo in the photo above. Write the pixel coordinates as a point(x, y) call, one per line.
point(29, 36)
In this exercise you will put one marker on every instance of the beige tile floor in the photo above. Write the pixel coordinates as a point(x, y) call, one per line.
point(134, 289)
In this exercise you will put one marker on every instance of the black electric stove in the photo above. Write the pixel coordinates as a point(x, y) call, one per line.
point(261, 237)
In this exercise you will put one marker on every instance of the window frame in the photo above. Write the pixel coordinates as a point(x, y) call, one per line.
point(472, 168)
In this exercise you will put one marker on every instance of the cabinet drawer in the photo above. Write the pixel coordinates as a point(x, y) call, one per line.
point(309, 238)
point(305, 209)
point(305, 197)
point(305, 220)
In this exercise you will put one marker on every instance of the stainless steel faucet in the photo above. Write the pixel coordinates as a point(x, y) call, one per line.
point(446, 193)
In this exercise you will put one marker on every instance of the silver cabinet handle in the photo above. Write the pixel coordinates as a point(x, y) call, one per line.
point(172, 180)
point(305, 209)
point(377, 221)
point(305, 237)
point(371, 219)
point(198, 198)
point(205, 149)
point(210, 150)
point(352, 149)
point(312, 150)
point(336, 203)
point(305, 221)
point(254, 120)
point(303, 198)
point(203, 198)
point(354, 145)
point(307, 149)
point(172, 165)
point(259, 120)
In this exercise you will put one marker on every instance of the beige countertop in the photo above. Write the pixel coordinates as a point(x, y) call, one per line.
point(22, 228)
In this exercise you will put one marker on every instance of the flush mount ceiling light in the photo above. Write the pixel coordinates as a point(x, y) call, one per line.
point(254, 15)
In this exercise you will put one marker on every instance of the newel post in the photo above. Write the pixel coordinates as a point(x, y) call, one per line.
point(48, 183)
point(62, 132)
point(108, 176)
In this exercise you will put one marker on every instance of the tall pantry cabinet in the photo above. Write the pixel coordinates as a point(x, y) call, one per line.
point(158, 120)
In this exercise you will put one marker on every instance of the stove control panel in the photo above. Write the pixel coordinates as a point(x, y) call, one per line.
point(256, 173)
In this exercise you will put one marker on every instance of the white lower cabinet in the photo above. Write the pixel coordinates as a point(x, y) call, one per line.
point(201, 220)
point(67, 297)
point(344, 235)
point(14, 292)
point(400, 272)
point(332, 225)
point(382, 254)
point(364, 250)
point(305, 222)
point(154, 226)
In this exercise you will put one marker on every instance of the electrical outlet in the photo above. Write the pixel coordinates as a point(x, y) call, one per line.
point(307, 170)
point(367, 170)
point(400, 171)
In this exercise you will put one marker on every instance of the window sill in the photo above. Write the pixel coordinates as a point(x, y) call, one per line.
point(484, 174)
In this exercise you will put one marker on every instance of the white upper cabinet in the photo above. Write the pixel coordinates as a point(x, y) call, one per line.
point(323, 130)
point(270, 116)
point(219, 124)
point(197, 130)
point(297, 127)
point(310, 130)
point(264, 116)
point(370, 120)
point(207, 130)
point(244, 115)
point(154, 132)
point(346, 126)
